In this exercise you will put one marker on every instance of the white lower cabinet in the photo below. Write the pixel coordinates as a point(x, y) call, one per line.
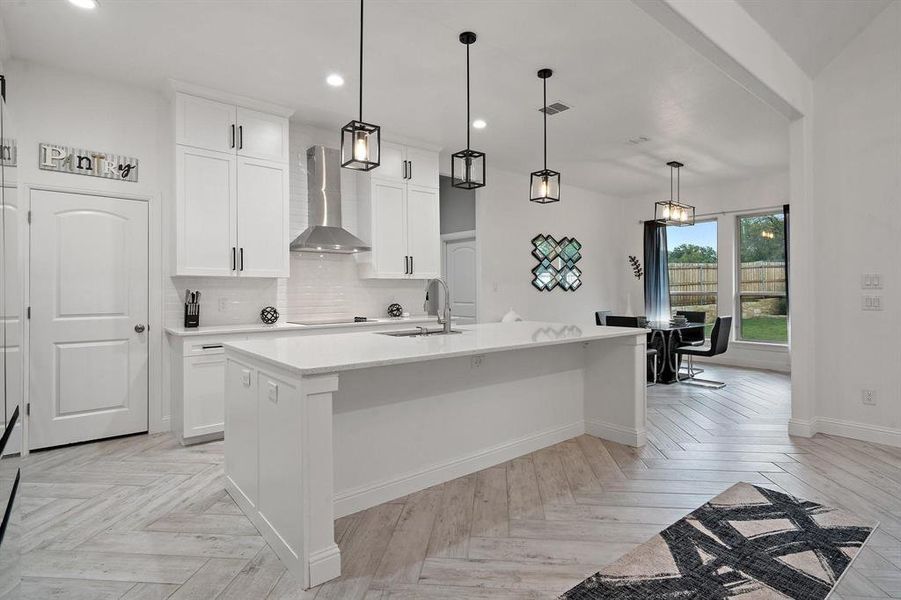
point(198, 374)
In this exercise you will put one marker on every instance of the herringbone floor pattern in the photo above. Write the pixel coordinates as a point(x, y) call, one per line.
point(143, 518)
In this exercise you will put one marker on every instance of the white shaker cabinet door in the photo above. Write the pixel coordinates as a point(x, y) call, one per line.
point(205, 201)
point(422, 169)
point(391, 162)
point(204, 123)
point(262, 218)
point(261, 135)
point(424, 232)
point(204, 393)
point(389, 229)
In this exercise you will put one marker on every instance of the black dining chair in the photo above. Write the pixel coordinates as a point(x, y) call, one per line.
point(652, 350)
point(693, 337)
point(600, 317)
point(719, 343)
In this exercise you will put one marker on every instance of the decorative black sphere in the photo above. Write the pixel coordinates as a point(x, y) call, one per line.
point(269, 315)
point(395, 310)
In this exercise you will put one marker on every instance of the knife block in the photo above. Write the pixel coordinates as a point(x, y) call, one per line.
point(192, 315)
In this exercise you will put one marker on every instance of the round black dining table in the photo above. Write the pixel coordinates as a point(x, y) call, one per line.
point(666, 338)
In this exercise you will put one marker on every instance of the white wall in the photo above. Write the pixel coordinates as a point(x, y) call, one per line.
point(857, 194)
point(506, 222)
point(721, 202)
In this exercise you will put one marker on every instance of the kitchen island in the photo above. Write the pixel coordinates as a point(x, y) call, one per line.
point(321, 427)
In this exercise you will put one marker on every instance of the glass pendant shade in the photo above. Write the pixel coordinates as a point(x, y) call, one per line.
point(468, 166)
point(360, 146)
point(545, 186)
point(673, 211)
point(468, 169)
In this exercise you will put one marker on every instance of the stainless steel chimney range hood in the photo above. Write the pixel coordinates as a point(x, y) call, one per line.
point(325, 233)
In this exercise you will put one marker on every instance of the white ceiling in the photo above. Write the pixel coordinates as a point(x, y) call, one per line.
point(812, 32)
point(622, 72)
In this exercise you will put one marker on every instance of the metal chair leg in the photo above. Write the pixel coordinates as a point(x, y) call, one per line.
point(697, 381)
point(654, 381)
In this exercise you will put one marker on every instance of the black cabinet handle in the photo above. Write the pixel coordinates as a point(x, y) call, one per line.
point(242, 259)
point(410, 177)
point(406, 265)
point(411, 265)
point(240, 137)
point(234, 259)
point(233, 135)
point(404, 176)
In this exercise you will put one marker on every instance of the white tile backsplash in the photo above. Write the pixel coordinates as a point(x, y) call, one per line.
point(320, 287)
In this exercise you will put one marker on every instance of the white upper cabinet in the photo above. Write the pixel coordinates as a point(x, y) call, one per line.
point(206, 124)
point(205, 200)
point(262, 218)
point(231, 189)
point(423, 232)
point(262, 135)
point(422, 167)
point(399, 215)
point(392, 162)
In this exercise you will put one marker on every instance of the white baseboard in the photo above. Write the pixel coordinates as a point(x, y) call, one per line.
point(876, 434)
point(864, 432)
point(802, 428)
point(616, 433)
point(781, 366)
point(354, 500)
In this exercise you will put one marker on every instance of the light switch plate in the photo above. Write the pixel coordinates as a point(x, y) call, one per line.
point(272, 390)
point(871, 281)
point(245, 377)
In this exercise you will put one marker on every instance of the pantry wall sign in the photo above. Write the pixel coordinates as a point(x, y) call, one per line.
point(66, 159)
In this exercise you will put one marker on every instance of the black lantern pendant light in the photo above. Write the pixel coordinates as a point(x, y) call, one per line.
point(468, 166)
point(360, 141)
point(545, 184)
point(674, 212)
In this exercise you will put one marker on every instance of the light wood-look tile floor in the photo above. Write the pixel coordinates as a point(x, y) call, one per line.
point(143, 518)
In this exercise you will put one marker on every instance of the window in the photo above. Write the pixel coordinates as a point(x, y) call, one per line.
point(762, 282)
point(693, 269)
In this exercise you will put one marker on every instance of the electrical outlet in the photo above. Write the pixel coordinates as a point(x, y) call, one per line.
point(223, 304)
point(476, 361)
point(272, 391)
point(871, 303)
point(868, 397)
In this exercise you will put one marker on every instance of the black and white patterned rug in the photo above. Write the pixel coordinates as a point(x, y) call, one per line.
point(749, 542)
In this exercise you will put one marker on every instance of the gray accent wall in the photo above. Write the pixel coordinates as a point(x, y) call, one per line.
point(458, 208)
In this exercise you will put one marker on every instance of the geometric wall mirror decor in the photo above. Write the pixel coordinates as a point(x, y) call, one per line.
point(556, 263)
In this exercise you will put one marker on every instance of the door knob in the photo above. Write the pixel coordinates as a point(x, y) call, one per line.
point(139, 328)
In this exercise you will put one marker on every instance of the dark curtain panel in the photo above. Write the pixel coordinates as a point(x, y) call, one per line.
point(785, 237)
point(656, 272)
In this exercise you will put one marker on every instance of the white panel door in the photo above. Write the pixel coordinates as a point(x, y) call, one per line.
point(391, 162)
point(10, 315)
point(460, 273)
point(261, 135)
point(262, 218)
point(205, 198)
point(423, 167)
point(205, 123)
point(424, 232)
point(389, 229)
point(88, 337)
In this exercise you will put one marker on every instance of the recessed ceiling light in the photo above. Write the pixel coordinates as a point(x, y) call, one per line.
point(333, 80)
point(85, 4)
point(479, 123)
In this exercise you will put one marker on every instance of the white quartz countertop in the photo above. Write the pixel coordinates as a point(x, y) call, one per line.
point(287, 327)
point(309, 355)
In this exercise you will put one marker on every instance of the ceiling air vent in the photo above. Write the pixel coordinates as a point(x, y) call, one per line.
point(556, 107)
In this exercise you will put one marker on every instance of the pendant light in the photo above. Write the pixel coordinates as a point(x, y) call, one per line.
point(468, 166)
point(545, 184)
point(674, 212)
point(360, 141)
